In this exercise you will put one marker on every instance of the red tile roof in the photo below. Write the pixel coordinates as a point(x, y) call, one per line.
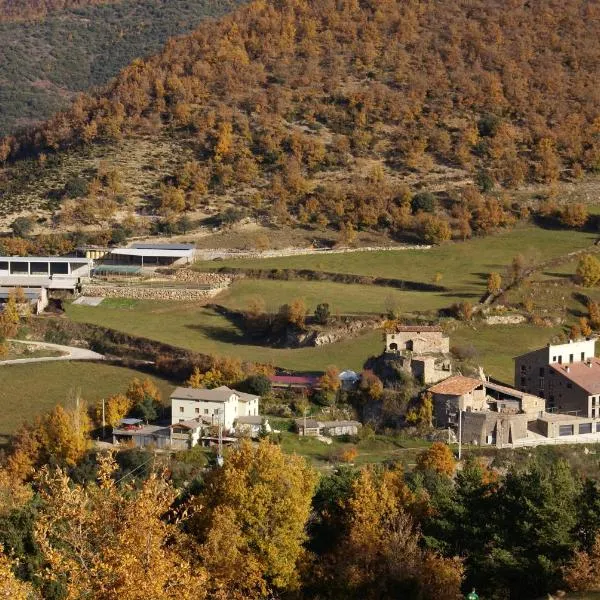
point(456, 385)
point(584, 374)
point(294, 379)
point(417, 328)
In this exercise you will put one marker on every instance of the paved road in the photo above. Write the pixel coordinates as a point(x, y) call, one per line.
point(70, 353)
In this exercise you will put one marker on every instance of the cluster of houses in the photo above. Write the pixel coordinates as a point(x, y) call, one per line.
point(555, 398)
point(197, 414)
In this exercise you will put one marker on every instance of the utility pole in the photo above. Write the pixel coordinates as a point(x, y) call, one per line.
point(220, 442)
point(103, 421)
point(459, 433)
point(304, 432)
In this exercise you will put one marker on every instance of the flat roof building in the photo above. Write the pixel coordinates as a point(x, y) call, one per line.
point(148, 255)
point(52, 272)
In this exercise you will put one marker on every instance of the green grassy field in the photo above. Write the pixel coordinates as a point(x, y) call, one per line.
point(202, 330)
point(342, 298)
point(497, 345)
point(376, 450)
point(32, 389)
point(464, 265)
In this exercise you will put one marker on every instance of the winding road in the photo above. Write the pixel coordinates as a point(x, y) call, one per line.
point(69, 353)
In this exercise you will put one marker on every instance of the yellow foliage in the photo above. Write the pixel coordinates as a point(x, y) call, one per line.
point(138, 391)
point(114, 542)
point(265, 496)
point(10, 586)
point(438, 458)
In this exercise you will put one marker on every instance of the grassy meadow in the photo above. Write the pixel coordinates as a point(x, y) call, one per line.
point(464, 266)
point(28, 390)
point(201, 329)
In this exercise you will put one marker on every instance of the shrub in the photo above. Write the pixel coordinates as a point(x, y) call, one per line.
point(423, 201)
point(22, 226)
point(588, 270)
point(76, 187)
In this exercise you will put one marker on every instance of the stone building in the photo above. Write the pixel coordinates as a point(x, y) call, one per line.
point(422, 350)
point(492, 414)
point(566, 375)
point(420, 339)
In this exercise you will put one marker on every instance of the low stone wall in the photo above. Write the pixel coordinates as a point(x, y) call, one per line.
point(149, 293)
point(217, 280)
point(213, 253)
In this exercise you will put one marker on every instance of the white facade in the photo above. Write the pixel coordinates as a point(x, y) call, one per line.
point(220, 405)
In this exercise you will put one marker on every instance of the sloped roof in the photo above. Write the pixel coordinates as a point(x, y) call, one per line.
point(220, 394)
point(416, 328)
point(456, 385)
point(586, 375)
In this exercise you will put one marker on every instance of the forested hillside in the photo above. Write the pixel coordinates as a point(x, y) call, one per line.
point(337, 114)
point(14, 10)
point(51, 50)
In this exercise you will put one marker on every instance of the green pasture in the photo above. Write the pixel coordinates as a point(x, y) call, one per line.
point(464, 266)
point(345, 299)
point(27, 390)
point(201, 329)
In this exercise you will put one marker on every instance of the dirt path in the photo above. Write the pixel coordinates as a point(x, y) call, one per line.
point(70, 353)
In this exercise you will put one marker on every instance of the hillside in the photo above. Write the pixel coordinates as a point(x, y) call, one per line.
point(73, 46)
point(339, 115)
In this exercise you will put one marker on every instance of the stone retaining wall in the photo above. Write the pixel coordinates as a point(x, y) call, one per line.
point(217, 280)
point(149, 293)
point(213, 253)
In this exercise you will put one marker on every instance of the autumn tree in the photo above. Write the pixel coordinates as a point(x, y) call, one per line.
point(251, 520)
point(574, 215)
point(116, 407)
point(370, 385)
point(378, 555)
point(294, 313)
point(582, 573)
point(10, 586)
point(422, 414)
point(437, 458)
point(494, 283)
point(330, 380)
point(588, 270)
point(109, 541)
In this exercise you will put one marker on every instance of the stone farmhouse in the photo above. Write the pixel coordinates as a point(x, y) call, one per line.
point(220, 405)
point(556, 399)
point(492, 414)
point(422, 350)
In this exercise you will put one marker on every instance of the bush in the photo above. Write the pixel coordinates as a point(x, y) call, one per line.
point(322, 313)
point(76, 187)
point(257, 384)
point(423, 201)
point(22, 226)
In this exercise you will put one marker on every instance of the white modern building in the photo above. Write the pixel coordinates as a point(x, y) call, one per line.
point(50, 272)
point(220, 405)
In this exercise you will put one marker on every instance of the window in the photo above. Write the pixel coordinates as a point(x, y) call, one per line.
point(560, 360)
point(523, 368)
point(181, 409)
point(582, 356)
point(585, 428)
point(541, 371)
point(597, 426)
point(569, 385)
point(197, 411)
point(181, 420)
point(541, 383)
point(554, 359)
point(570, 358)
point(206, 411)
point(565, 430)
